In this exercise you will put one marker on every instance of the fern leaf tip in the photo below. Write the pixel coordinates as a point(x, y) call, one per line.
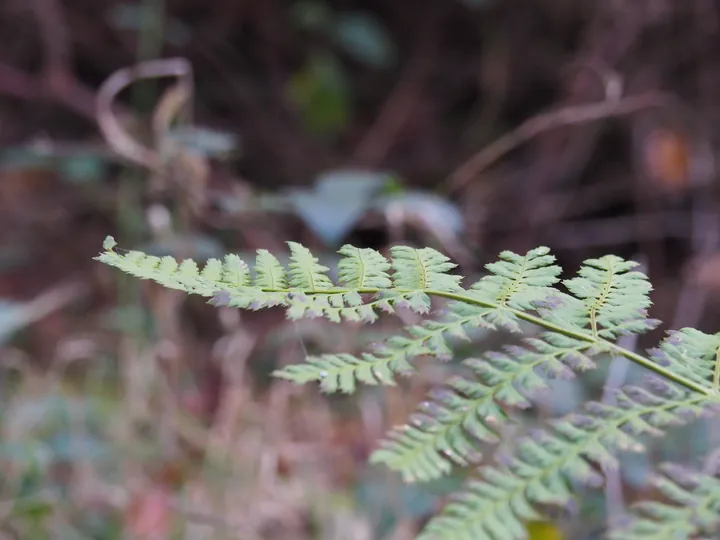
point(109, 243)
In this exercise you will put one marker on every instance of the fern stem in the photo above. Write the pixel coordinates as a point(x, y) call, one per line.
point(630, 355)
point(599, 302)
point(538, 321)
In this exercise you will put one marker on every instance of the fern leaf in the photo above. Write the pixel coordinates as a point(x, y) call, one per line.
point(546, 463)
point(689, 353)
point(305, 271)
point(336, 307)
point(235, 271)
point(269, 273)
point(693, 508)
point(615, 297)
point(363, 268)
point(340, 372)
point(517, 283)
point(423, 269)
point(448, 427)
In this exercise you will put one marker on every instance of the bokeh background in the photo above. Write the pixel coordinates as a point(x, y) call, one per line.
point(471, 126)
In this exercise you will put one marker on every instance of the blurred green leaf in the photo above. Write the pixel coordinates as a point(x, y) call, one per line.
point(363, 37)
point(311, 15)
point(70, 446)
point(72, 164)
point(81, 169)
point(29, 453)
point(13, 317)
point(204, 141)
point(321, 93)
point(22, 158)
point(34, 506)
point(135, 17)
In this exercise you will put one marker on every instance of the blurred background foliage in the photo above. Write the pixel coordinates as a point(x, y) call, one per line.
point(127, 411)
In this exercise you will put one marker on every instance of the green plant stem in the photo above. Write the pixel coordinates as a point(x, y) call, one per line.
point(538, 321)
point(630, 355)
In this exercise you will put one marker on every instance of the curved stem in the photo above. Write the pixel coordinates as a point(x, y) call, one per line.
point(538, 321)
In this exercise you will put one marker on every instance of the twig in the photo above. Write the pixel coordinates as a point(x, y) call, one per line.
point(619, 230)
point(401, 102)
point(57, 81)
point(115, 135)
point(71, 94)
point(53, 300)
point(571, 115)
point(53, 29)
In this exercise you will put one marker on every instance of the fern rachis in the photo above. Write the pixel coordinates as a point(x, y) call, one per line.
point(607, 299)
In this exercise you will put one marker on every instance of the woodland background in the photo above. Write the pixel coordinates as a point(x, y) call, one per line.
point(471, 126)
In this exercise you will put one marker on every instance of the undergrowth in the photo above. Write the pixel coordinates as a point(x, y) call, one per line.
point(568, 328)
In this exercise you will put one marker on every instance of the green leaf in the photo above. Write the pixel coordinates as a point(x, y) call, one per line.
point(305, 271)
point(321, 93)
point(363, 37)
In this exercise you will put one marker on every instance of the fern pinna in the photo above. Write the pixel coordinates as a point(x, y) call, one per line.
point(609, 298)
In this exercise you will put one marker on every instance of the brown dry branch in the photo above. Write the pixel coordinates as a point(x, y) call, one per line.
point(404, 98)
point(71, 94)
point(112, 129)
point(572, 115)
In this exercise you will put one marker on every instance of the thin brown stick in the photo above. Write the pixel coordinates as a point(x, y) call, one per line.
point(57, 82)
point(72, 95)
point(114, 133)
point(403, 99)
point(565, 116)
point(54, 33)
point(398, 108)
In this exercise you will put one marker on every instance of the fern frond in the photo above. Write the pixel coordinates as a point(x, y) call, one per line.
point(448, 427)
point(693, 509)
point(546, 463)
point(518, 288)
point(340, 372)
point(607, 299)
